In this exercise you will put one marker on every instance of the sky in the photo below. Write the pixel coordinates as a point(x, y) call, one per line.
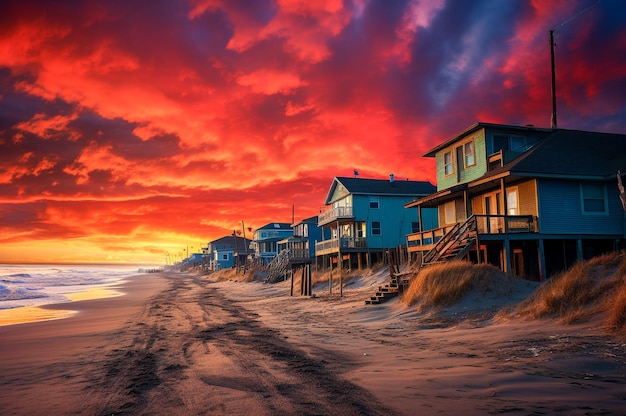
point(132, 131)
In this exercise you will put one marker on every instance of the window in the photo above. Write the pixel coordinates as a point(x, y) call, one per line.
point(415, 227)
point(500, 142)
point(447, 163)
point(225, 256)
point(513, 143)
point(468, 151)
point(375, 227)
point(360, 229)
point(511, 202)
point(593, 198)
point(374, 202)
point(449, 213)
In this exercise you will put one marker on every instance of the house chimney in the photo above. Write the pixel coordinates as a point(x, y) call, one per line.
point(391, 177)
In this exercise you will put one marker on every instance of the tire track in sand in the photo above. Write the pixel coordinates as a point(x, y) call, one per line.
point(193, 351)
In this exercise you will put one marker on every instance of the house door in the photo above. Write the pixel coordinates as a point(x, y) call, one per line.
point(493, 207)
point(518, 262)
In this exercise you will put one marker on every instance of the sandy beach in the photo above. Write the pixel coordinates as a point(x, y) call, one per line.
point(185, 344)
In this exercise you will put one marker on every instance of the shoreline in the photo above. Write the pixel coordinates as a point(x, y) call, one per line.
point(76, 318)
point(52, 311)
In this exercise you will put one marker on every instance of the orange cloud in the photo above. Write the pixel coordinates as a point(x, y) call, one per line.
point(124, 129)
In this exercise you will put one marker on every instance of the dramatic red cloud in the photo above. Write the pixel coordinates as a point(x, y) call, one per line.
point(130, 131)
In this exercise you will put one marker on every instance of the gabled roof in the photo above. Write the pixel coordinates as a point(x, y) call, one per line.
point(380, 187)
point(310, 220)
point(480, 125)
point(570, 154)
point(222, 240)
point(229, 241)
point(276, 226)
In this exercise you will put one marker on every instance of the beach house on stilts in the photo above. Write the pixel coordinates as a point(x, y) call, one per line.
point(366, 217)
point(529, 200)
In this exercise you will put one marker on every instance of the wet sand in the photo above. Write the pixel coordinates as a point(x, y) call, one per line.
point(182, 344)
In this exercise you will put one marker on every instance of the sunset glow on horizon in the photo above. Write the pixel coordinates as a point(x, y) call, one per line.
point(134, 131)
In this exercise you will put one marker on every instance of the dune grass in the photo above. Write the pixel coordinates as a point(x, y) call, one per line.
point(442, 285)
point(588, 288)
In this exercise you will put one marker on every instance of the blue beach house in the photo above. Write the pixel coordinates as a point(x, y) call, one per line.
point(266, 238)
point(529, 200)
point(223, 251)
point(365, 217)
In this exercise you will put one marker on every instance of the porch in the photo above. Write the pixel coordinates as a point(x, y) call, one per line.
point(485, 225)
point(345, 243)
point(334, 214)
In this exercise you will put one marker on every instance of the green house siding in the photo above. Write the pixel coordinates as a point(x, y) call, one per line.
point(395, 220)
point(466, 174)
point(560, 210)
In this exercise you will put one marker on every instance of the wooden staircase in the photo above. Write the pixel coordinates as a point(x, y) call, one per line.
point(454, 245)
point(279, 267)
point(390, 290)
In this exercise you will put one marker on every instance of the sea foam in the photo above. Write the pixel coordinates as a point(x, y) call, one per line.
point(36, 285)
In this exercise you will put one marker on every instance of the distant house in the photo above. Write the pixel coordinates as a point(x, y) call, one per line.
point(366, 216)
point(223, 251)
point(529, 200)
point(302, 243)
point(266, 238)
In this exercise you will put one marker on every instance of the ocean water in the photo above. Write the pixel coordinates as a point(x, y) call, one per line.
point(36, 285)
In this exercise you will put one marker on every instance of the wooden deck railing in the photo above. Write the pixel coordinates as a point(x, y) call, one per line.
point(334, 213)
point(486, 224)
point(332, 245)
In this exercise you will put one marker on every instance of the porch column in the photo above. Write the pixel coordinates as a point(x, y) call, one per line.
point(466, 202)
point(579, 249)
point(542, 261)
point(504, 201)
point(419, 218)
point(507, 255)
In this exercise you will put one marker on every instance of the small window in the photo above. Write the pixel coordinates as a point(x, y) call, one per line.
point(360, 229)
point(511, 202)
point(500, 142)
point(449, 212)
point(374, 202)
point(468, 151)
point(225, 256)
point(375, 227)
point(447, 163)
point(593, 198)
point(415, 227)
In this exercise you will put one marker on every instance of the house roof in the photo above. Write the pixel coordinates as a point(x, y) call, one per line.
point(563, 154)
point(227, 239)
point(480, 125)
point(360, 186)
point(570, 154)
point(310, 220)
point(276, 226)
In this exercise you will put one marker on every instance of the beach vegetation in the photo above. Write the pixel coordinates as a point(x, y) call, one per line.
point(595, 287)
point(444, 284)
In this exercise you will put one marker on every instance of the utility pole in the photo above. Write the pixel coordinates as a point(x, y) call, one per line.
point(553, 123)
